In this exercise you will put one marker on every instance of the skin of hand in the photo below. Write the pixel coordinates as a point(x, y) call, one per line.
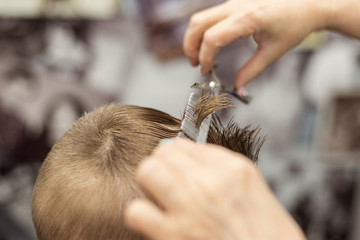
point(206, 192)
point(276, 26)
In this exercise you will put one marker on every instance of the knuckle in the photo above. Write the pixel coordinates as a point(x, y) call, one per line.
point(166, 153)
point(205, 60)
point(211, 188)
point(162, 151)
point(245, 170)
point(144, 170)
point(259, 15)
point(210, 38)
point(196, 20)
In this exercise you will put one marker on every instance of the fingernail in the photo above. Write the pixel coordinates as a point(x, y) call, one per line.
point(242, 91)
point(194, 62)
point(203, 70)
point(165, 141)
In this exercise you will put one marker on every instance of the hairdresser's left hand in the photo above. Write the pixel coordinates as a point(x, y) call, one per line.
point(206, 192)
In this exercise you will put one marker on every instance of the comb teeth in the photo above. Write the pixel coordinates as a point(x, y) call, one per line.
point(188, 126)
point(204, 129)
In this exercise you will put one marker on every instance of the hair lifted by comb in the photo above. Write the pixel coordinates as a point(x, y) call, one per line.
point(208, 104)
point(242, 140)
point(87, 178)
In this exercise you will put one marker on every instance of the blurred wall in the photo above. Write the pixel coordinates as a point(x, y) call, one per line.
point(61, 58)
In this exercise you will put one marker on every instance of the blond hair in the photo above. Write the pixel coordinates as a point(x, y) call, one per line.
point(87, 179)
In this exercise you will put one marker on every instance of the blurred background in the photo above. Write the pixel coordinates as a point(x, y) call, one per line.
point(59, 58)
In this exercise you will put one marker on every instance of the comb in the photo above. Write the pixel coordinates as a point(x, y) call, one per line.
point(188, 126)
point(209, 85)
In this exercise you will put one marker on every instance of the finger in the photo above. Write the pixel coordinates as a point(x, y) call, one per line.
point(174, 157)
point(146, 218)
point(158, 180)
point(216, 165)
point(204, 152)
point(199, 22)
point(220, 35)
point(264, 56)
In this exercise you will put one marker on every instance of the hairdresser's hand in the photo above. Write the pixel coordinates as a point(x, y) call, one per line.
point(206, 192)
point(276, 26)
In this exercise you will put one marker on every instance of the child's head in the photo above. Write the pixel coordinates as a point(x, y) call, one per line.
point(87, 179)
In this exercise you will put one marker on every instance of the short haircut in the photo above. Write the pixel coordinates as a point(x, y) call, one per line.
point(88, 179)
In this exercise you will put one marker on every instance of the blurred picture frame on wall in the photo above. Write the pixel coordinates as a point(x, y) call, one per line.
point(338, 137)
point(72, 9)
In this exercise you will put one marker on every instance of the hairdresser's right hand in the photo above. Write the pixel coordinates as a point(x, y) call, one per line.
point(206, 192)
point(276, 26)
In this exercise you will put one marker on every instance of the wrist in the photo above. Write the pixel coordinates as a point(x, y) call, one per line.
point(340, 14)
point(325, 13)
